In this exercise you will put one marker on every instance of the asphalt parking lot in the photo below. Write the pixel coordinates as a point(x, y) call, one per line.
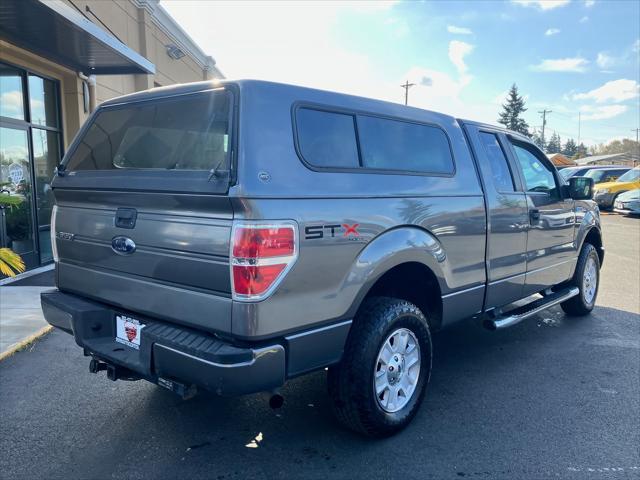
point(553, 397)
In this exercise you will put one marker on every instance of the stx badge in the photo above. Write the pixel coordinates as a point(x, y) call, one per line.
point(316, 232)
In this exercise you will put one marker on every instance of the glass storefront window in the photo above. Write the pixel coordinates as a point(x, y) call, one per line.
point(11, 93)
point(43, 101)
point(30, 150)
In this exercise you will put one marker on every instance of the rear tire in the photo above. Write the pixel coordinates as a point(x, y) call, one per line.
point(380, 382)
point(587, 279)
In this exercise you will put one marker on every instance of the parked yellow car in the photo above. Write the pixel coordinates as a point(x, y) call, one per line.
point(605, 193)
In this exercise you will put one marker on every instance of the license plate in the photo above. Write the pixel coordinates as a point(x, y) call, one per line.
point(128, 331)
point(619, 205)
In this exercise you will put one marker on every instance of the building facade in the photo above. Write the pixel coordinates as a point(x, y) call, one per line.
point(58, 59)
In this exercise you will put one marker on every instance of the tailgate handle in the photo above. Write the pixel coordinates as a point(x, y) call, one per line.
point(126, 217)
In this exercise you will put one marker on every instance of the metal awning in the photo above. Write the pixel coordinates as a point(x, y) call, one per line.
point(59, 32)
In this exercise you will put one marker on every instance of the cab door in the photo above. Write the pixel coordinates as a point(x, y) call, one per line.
point(550, 248)
point(507, 217)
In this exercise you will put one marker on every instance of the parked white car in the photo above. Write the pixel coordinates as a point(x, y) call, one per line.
point(628, 202)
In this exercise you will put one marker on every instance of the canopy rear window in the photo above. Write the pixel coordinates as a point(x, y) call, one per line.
point(186, 132)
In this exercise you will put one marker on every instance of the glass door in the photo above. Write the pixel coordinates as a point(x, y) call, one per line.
point(30, 149)
point(16, 193)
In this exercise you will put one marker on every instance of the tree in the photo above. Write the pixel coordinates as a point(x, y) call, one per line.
point(555, 144)
point(511, 111)
point(570, 148)
point(617, 146)
point(581, 151)
point(538, 140)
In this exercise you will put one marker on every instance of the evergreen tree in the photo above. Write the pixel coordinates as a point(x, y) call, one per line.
point(581, 151)
point(555, 144)
point(538, 140)
point(570, 148)
point(511, 111)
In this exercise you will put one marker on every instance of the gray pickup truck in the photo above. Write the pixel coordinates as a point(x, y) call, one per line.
point(230, 236)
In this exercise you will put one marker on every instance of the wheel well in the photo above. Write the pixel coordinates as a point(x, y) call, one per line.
point(593, 237)
point(415, 283)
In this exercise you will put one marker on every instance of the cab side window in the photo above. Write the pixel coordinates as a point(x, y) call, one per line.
point(538, 176)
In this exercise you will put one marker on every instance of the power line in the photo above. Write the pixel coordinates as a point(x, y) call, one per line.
point(406, 87)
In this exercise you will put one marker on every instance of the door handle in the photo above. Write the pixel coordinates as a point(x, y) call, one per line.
point(534, 214)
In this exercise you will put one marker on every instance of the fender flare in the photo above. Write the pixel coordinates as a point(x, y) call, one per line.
point(392, 248)
point(589, 222)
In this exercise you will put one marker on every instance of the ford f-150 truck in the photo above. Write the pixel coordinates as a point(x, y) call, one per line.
point(228, 236)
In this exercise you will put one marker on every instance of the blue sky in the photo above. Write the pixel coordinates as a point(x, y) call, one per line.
point(565, 56)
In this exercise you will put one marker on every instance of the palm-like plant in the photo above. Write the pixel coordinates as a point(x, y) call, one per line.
point(10, 262)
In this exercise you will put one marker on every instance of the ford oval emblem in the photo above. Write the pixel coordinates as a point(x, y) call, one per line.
point(123, 245)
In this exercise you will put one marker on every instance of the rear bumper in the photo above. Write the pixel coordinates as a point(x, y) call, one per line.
point(167, 351)
point(604, 200)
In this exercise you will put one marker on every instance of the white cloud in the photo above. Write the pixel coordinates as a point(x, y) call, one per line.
point(459, 30)
point(457, 51)
point(602, 112)
point(605, 61)
point(255, 41)
point(552, 31)
point(614, 90)
point(575, 64)
point(542, 4)
point(589, 3)
point(12, 104)
point(584, 19)
point(441, 92)
point(636, 46)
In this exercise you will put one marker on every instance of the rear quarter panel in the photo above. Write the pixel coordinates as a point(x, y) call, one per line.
point(327, 281)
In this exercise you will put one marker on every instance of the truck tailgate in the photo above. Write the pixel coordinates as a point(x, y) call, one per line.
point(179, 268)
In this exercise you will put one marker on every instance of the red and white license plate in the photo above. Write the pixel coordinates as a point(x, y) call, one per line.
point(128, 331)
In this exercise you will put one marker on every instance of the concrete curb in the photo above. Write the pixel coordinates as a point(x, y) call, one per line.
point(26, 342)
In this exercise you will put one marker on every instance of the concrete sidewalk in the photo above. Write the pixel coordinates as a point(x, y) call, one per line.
point(20, 315)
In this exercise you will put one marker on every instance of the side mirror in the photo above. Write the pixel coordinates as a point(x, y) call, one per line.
point(580, 188)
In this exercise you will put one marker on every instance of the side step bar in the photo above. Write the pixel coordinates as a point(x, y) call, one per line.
point(529, 310)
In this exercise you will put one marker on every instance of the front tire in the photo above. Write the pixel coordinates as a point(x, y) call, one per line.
point(379, 385)
point(587, 279)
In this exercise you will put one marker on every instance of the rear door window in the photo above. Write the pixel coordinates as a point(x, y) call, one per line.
point(327, 139)
point(187, 132)
point(500, 172)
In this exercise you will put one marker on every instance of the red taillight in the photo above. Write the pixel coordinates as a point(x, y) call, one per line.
point(260, 257)
point(263, 242)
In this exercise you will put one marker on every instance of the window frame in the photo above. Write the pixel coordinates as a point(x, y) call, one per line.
point(542, 158)
point(518, 186)
point(362, 169)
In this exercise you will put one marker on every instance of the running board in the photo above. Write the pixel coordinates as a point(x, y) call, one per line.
point(530, 309)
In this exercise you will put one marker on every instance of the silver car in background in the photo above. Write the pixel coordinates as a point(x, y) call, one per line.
point(628, 202)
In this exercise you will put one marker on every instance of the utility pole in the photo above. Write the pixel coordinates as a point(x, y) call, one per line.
point(544, 122)
point(579, 121)
point(406, 87)
point(637, 130)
